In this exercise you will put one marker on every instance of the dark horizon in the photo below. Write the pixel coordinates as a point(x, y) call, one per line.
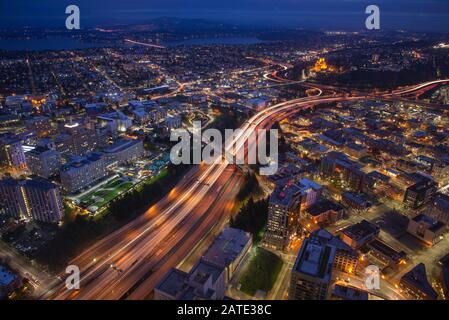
point(410, 15)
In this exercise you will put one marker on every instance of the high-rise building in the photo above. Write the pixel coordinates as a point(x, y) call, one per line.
point(420, 193)
point(312, 271)
point(76, 140)
point(283, 215)
point(84, 172)
point(36, 198)
point(346, 258)
point(43, 162)
point(11, 152)
point(285, 204)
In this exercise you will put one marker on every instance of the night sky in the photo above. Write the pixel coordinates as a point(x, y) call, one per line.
point(420, 15)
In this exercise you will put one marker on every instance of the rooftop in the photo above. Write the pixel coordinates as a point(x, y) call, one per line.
point(227, 247)
point(417, 278)
point(433, 225)
point(349, 293)
point(315, 259)
point(324, 206)
point(121, 145)
point(361, 230)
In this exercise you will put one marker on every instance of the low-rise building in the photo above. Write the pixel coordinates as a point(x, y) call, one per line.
point(357, 201)
point(341, 292)
point(325, 212)
point(204, 282)
point(426, 229)
point(386, 254)
point(360, 234)
point(228, 250)
point(439, 209)
point(416, 285)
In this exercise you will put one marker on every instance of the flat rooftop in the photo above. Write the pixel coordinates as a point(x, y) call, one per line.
point(361, 230)
point(121, 145)
point(315, 259)
point(227, 247)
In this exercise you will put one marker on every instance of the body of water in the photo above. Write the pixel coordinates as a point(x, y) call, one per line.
point(213, 41)
point(53, 43)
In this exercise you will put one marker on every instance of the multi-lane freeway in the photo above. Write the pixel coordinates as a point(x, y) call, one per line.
point(128, 263)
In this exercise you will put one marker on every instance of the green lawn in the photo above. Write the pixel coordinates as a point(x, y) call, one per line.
point(106, 193)
point(262, 272)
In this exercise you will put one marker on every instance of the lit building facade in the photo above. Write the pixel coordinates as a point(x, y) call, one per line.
point(37, 199)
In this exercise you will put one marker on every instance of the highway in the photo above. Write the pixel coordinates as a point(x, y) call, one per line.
point(130, 262)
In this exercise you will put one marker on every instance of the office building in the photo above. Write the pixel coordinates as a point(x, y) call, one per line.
point(420, 193)
point(75, 140)
point(208, 278)
point(43, 162)
point(283, 215)
point(312, 272)
point(84, 172)
point(115, 121)
point(346, 258)
point(285, 205)
point(337, 165)
point(310, 193)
